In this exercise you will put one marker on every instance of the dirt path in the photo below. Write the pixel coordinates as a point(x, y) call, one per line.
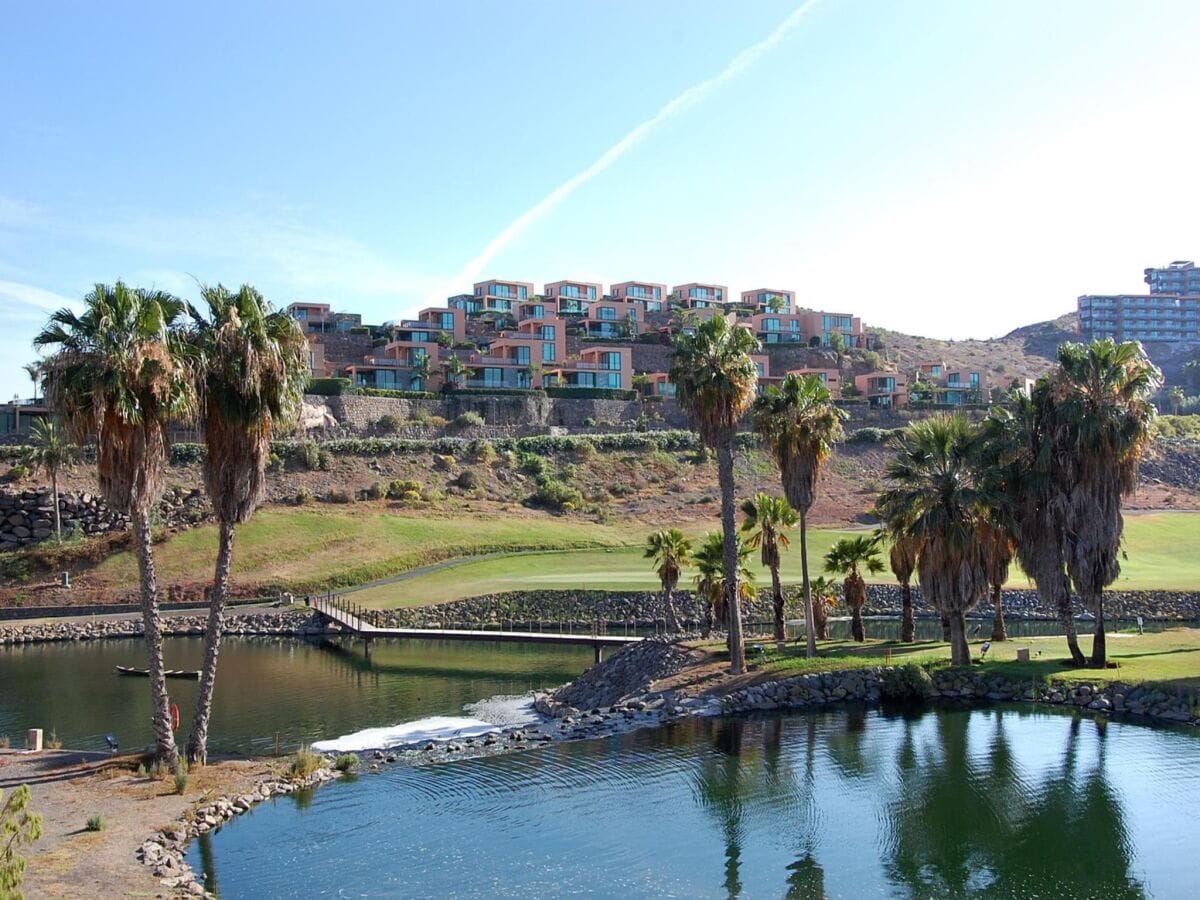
point(70, 787)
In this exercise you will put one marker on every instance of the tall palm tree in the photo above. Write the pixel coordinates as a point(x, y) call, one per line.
point(671, 552)
point(453, 369)
point(35, 372)
point(120, 373)
point(935, 498)
point(715, 381)
point(1175, 399)
point(801, 424)
point(846, 557)
point(52, 452)
point(423, 370)
point(253, 373)
point(999, 546)
point(824, 595)
point(765, 526)
point(1016, 455)
point(902, 557)
point(1101, 428)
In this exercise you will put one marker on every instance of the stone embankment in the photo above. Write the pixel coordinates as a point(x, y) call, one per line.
point(27, 517)
point(163, 852)
point(643, 608)
point(629, 671)
point(293, 623)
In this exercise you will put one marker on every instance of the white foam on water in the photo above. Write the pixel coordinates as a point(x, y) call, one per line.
point(434, 728)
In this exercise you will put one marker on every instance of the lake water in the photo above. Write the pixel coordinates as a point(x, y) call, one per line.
point(298, 691)
point(1002, 802)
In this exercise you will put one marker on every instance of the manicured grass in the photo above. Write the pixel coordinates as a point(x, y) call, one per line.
point(1159, 546)
point(1171, 657)
point(307, 549)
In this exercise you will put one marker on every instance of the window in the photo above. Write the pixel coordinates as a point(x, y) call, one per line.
point(608, 314)
point(547, 353)
point(770, 324)
point(547, 332)
point(761, 369)
point(611, 361)
point(446, 320)
point(522, 355)
point(974, 378)
point(493, 377)
point(591, 293)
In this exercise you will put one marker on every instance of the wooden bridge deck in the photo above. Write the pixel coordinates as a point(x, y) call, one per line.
point(338, 613)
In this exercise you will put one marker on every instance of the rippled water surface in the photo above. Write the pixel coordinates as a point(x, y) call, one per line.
point(300, 691)
point(1002, 802)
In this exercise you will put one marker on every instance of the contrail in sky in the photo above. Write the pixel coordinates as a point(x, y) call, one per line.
point(689, 98)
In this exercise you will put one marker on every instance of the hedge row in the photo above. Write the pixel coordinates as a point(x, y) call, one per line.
point(590, 393)
point(396, 395)
point(329, 387)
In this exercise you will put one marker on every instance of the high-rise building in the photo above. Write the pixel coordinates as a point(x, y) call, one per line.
point(1169, 313)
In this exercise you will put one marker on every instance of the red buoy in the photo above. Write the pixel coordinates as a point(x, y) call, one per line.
point(174, 717)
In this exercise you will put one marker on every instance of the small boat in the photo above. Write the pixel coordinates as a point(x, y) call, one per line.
point(193, 674)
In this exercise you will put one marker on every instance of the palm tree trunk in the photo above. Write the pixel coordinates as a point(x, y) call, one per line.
point(854, 597)
point(669, 611)
point(737, 662)
point(160, 703)
point(960, 652)
point(908, 624)
point(1099, 644)
point(777, 602)
point(820, 618)
point(707, 606)
point(197, 748)
point(810, 624)
point(57, 512)
point(1066, 615)
point(999, 633)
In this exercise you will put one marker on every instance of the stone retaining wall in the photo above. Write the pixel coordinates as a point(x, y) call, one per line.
point(27, 517)
point(292, 623)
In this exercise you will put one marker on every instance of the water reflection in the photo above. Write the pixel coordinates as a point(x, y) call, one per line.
point(848, 803)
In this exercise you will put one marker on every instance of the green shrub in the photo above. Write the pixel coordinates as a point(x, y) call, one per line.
point(304, 762)
point(468, 479)
point(387, 424)
point(346, 762)
point(181, 778)
point(396, 395)
point(468, 419)
point(329, 387)
point(324, 460)
point(555, 495)
point(374, 492)
point(482, 451)
point(872, 435)
point(303, 496)
point(397, 489)
point(310, 453)
point(19, 471)
point(531, 463)
point(411, 497)
point(95, 823)
point(907, 682)
point(589, 422)
point(339, 495)
point(4, 743)
point(184, 454)
point(591, 393)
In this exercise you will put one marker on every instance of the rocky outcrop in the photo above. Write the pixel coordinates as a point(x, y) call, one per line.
point(27, 517)
point(629, 671)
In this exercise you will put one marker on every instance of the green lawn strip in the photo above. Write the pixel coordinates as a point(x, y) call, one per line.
point(1159, 558)
point(308, 550)
point(1168, 657)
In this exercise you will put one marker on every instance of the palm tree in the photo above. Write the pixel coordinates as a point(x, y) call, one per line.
point(453, 369)
point(845, 558)
point(766, 523)
point(902, 557)
point(709, 559)
point(934, 498)
point(1101, 428)
point(999, 547)
point(252, 382)
point(120, 373)
point(1016, 456)
point(1175, 398)
point(52, 452)
point(35, 372)
point(801, 424)
point(671, 551)
point(824, 595)
point(715, 381)
point(422, 370)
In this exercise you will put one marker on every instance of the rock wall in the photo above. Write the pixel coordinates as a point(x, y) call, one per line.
point(27, 517)
point(300, 622)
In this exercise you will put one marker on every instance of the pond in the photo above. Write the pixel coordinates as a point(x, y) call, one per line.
point(266, 688)
point(999, 802)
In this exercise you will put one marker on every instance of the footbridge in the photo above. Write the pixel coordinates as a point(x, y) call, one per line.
point(353, 619)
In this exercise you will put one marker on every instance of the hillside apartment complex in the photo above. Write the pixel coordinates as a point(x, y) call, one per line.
point(504, 336)
point(1170, 312)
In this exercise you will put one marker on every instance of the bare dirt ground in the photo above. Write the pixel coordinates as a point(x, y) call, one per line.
point(70, 787)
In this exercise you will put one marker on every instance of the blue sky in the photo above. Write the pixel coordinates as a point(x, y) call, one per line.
point(949, 168)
